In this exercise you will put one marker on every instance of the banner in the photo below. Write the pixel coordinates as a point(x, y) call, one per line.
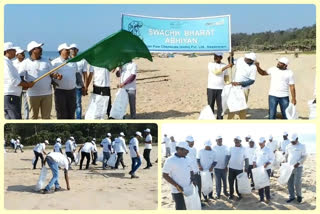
point(205, 34)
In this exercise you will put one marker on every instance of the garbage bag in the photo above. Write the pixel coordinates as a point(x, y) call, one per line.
point(260, 177)
point(112, 160)
point(33, 160)
point(192, 201)
point(119, 106)
point(206, 182)
point(77, 158)
point(97, 108)
point(285, 173)
point(224, 97)
point(100, 157)
point(244, 186)
point(291, 112)
point(206, 114)
point(236, 99)
point(312, 110)
point(279, 158)
point(42, 179)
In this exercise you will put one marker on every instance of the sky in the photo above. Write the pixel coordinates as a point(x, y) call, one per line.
point(204, 132)
point(88, 24)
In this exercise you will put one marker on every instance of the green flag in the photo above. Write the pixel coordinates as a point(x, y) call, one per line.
point(115, 50)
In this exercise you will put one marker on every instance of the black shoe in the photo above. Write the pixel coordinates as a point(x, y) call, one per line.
point(58, 189)
point(130, 172)
point(203, 204)
point(134, 176)
point(47, 191)
point(218, 197)
point(147, 167)
point(226, 194)
point(239, 197)
point(290, 200)
point(261, 200)
point(231, 197)
point(299, 199)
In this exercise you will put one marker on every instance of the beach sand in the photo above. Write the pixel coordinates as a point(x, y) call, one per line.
point(279, 194)
point(93, 189)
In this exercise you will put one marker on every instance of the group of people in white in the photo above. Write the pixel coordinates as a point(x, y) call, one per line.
point(69, 83)
point(190, 172)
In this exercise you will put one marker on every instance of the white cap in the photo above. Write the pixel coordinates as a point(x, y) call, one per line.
point(284, 60)
point(218, 137)
point(19, 51)
point(208, 143)
point(251, 56)
point(189, 139)
point(94, 139)
point(46, 142)
point(109, 134)
point(183, 145)
point(33, 45)
point(9, 46)
point(73, 46)
point(63, 46)
point(285, 133)
point(58, 139)
point(270, 137)
point(262, 140)
point(139, 134)
point(238, 138)
point(147, 130)
point(294, 137)
point(218, 53)
point(72, 138)
point(122, 134)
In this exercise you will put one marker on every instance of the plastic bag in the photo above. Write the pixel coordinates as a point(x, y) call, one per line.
point(236, 99)
point(42, 179)
point(206, 182)
point(291, 112)
point(279, 158)
point(244, 186)
point(100, 157)
point(224, 97)
point(193, 201)
point(119, 106)
point(207, 114)
point(285, 173)
point(97, 108)
point(312, 110)
point(77, 158)
point(260, 177)
point(112, 160)
point(33, 160)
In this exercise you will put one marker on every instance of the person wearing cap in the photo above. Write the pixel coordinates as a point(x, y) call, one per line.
point(13, 143)
point(81, 78)
point(39, 150)
point(54, 161)
point(177, 171)
point(247, 138)
point(220, 169)
point(283, 145)
point(147, 148)
point(295, 155)
point(251, 149)
point(273, 146)
point(107, 149)
point(18, 145)
point(65, 90)
point(166, 141)
point(264, 157)
point(237, 160)
point(57, 146)
point(13, 84)
point(207, 160)
point(70, 148)
point(173, 145)
point(217, 76)
point(245, 75)
point(86, 150)
point(282, 80)
point(120, 148)
point(95, 152)
point(134, 153)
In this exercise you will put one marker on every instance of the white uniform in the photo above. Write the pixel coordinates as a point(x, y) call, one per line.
point(296, 154)
point(263, 156)
point(105, 144)
point(133, 143)
point(207, 158)
point(148, 139)
point(237, 157)
point(120, 145)
point(221, 154)
point(57, 147)
point(193, 158)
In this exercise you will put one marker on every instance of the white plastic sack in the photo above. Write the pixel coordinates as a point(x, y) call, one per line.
point(312, 110)
point(100, 157)
point(163, 150)
point(285, 173)
point(33, 160)
point(112, 160)
point(236, 99)
point(193, 201)
point(206, 182)
point(279, 158)
point(42, 179)
point(244, 186)
point(207, 114)
point(291, 112)
point(119, 106)
point(224, 97)
point(97, 108)
point(77, 158)
point(260, 177)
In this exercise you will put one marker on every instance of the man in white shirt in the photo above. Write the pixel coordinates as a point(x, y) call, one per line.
point(57, 146)
point(56, 160)
point(134, 154)
point(166, 142)
point(178, 173)
point(295, 156)
point(70, 148)
point(39, 150)
point(264, 157)
point(128, 76)
point(65, 91)
point(106, 144)
point(245, 75)
point(173, 145)
point(283, 145)
point(95, 152)
point(251, 149)
point(273, 146)
point(147, 148)
point(86, 150)
point(120, 148)
point(220, 170)
point(236, 159)
point(217, 76)
point(281, 81)
point(12, 84)
point(18, 145)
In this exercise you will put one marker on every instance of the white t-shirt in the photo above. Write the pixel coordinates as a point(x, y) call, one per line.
point(221, 154)
point(237, 157)
point(126, 71)
point(216, 81)
point(263, 156)
point(273, 145)
point(133, 143)
point(280, 81)
point(16, 63)
point(166, 140)
point(60, 159)
point(11, 79)
point(68, 73)
point(101, 76)
point(69, 146)
point(106, 143)
point(57, 147)
point(179, 170)
point(87, 147)
point(250, 154)
point(82, 68)
point(296, 153)
point(207, 157)
point(148, 139)
point(33, 69)
point(173, 147)
point(244, 72)
point(193, 158)
point(284, 145)
point(120, 145)
point(40, 147)
point(94, 147)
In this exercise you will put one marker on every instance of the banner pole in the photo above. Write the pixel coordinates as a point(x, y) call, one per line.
point(50, 72)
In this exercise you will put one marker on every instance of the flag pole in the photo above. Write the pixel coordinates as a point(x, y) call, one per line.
point(50, 72)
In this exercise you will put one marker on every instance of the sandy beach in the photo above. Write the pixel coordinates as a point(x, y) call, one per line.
point(279, 194)
point(175, 88)
point(93, 189)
